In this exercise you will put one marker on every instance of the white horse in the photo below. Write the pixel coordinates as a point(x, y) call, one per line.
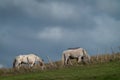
point(78, 53)
point(29, 59)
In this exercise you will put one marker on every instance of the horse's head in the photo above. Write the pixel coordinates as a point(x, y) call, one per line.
point(86, 58)
point(41, 63)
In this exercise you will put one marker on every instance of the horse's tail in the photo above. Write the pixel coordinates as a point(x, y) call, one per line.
point(14, 63)
point(63, 59)
point(86, 54)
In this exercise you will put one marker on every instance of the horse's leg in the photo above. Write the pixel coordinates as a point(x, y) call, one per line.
point(32, 64)
point(70, 62)
point(66, 60)
point(79, 59)
point(43, 67)
point(18, 66)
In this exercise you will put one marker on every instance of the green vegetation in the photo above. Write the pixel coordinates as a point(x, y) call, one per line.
point(101, 71)
point(102, 67)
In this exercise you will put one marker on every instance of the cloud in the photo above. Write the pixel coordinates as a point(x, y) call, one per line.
point(51, 9)
point(29, 25)
point(106, 29)
point(33, 8)
point(80, 18)
point(109, 7)
point(63, 11)
point(54, 33)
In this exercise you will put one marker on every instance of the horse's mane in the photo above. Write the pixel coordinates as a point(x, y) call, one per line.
point(73, 48)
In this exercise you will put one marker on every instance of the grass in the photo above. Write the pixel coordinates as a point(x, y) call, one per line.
point(102, 67)
point(100, 71)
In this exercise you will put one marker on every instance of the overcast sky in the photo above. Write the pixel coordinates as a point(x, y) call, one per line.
point(48, 27)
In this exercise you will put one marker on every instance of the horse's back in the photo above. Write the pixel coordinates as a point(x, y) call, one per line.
point(73, 51)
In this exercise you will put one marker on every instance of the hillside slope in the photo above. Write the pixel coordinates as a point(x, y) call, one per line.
point(103, 71)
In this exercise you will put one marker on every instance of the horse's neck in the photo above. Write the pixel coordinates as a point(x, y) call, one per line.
point(37, 58)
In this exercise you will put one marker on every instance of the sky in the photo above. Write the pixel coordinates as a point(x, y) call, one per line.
point(48, 27)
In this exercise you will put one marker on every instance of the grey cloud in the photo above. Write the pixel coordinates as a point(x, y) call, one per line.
point(108, 7)
point(48, 27)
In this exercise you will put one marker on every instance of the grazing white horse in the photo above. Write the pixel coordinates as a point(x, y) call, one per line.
point(78, 53)
point(29, 59)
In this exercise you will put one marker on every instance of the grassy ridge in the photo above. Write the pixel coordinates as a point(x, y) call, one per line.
point(102, 71)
